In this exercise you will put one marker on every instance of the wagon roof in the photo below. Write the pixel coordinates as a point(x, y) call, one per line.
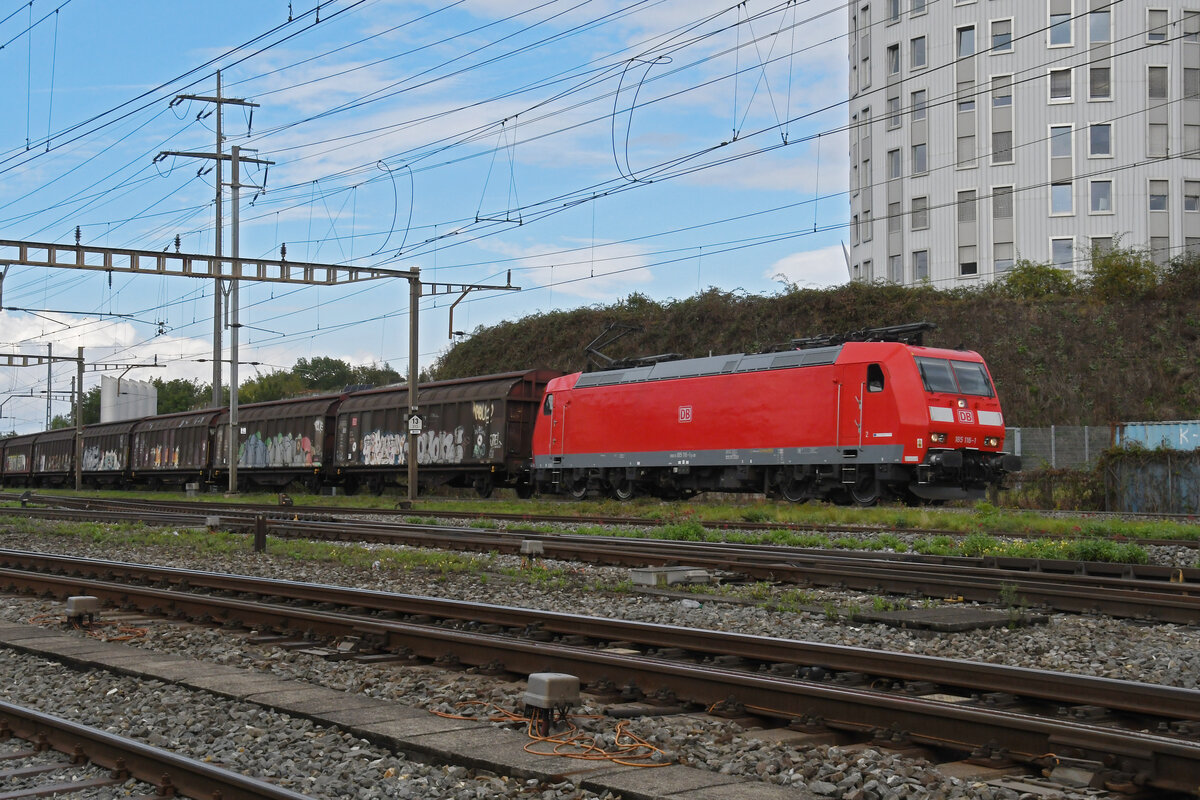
point(277, 409)
point(483, 387)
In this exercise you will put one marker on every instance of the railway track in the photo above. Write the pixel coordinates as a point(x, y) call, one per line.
point(1164, 594)
point(329, 513)
point(91, 759)
point(1134, 735)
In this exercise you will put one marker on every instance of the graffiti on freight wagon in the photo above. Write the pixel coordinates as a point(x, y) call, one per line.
point(433, 447)
point(280, 450)
point(95, 459)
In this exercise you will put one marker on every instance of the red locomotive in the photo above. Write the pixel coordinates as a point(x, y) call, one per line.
point(849, 419)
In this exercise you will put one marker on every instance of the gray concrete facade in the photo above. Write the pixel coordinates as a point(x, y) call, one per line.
point(985, 131)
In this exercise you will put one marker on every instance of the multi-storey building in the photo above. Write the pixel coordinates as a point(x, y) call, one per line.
point(983, 131)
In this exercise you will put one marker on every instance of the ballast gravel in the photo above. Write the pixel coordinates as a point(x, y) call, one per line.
point(327, 763)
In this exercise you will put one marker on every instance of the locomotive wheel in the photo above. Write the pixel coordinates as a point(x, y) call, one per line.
point(794, 491)
point(623, 489)
point(579, 489)
point(866, 491)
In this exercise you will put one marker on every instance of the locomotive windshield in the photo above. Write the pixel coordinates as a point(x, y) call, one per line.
point(955, 377)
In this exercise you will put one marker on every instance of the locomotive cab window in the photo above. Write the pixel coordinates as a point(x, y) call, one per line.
point(548, 405)
point(954, 377)
point(874, 378)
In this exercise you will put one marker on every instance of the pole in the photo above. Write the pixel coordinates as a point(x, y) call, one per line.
point(234, 431)
point(216, 380)
point(414, 303)
point(49, 381)
point(79, 421)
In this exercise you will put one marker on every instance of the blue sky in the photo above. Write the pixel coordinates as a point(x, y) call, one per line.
point(595, 148)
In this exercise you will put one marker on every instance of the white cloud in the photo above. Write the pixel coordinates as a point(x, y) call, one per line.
point(813, 269)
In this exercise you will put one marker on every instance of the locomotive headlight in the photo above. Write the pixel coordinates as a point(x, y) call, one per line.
point(962, 403)
point(937, 438)
point(991, 441)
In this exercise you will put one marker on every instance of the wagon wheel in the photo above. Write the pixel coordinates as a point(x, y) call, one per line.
point(524, 490)
point(350, 486)
point(623, 489)
point(313, 485)
point(484, 486)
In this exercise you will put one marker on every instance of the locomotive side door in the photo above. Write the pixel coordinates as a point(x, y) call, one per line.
point(862, 408)
point(555, 406)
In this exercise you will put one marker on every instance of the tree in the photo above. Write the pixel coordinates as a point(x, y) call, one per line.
point(375, 374)
point(275, 385)
point(324, 373)
point(179, 394)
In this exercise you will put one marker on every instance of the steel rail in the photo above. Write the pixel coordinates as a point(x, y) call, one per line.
point(1143, 758)
point(1160, 593)
point(161, 768)
point(1128, 696)
point(310, 511)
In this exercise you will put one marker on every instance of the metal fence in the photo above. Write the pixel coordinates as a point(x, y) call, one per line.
point(1059, 446)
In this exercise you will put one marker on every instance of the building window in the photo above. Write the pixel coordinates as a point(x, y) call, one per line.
point(966, 151)
point(1156, 25)
point(1001, 91)
point(918, 6)
point(1002, 36)
point(1060, 141)
point(1101, 197)
point(920, 159)
point(1060, 30)
point(1100, 140)
point(1156, 145)
point(1002, 152)
point(1102, 245)
point(1099, 83)
point(1160, 250)
point(1191, 84)
point(895, 222)
point(968, 263)
point(893, 59)
point(866, 271)
point(1062, 253)
point(1158, 195)
point(854, 229)
point(1191, 195)
point(1062, 200)
point(893, 111)
point(1191, 26)
point(866, 229)
point(1192, 246)
point(918, 105)
point(1156, 83)
point(893, 10)
point(896, 269)
point(893, 162)
point(1099, 27)
point(966, 104)
point(1002, 257)
point(920, 263)
point(1060, 85)
point(866, 171)
point(966, 206)
point(1002, 202)
point(966, 41)
point(920, 213)
point(916, 53)
point(1191, 140)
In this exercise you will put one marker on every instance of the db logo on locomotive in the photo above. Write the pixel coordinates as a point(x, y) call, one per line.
point(966, 416)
